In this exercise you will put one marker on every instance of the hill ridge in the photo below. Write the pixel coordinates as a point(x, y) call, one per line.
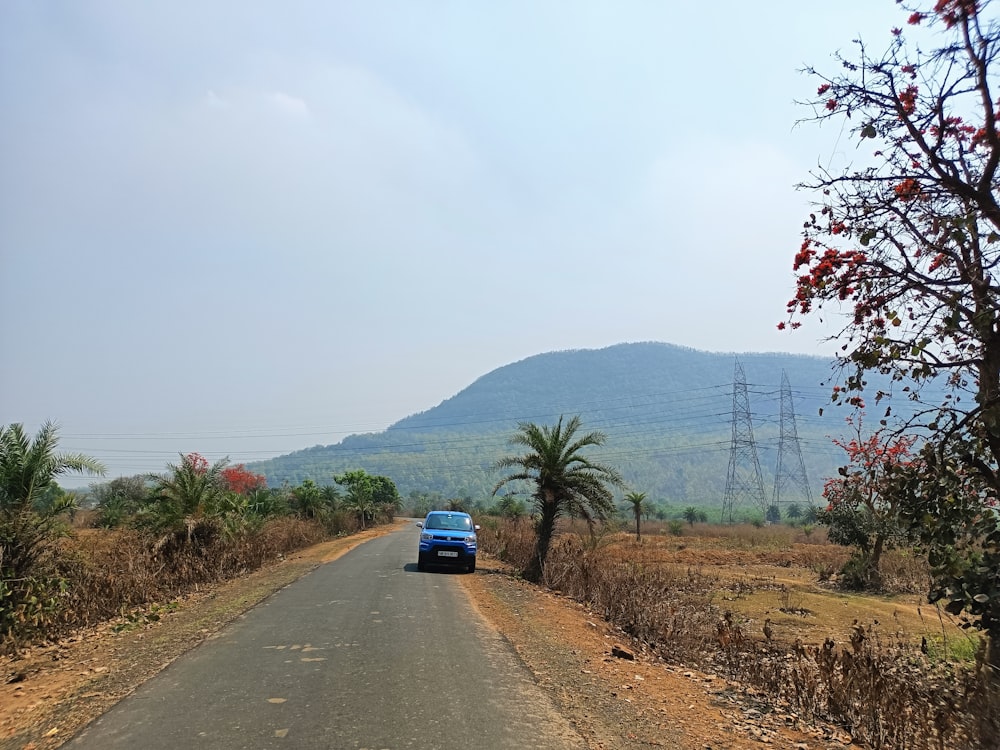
point(666, 409)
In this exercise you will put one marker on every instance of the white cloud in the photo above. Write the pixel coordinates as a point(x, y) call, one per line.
point(288, 104)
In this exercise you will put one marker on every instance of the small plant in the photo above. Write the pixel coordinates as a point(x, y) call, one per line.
point(675, 527)
point(790, 602)
point(139, 617)
point(961, 650)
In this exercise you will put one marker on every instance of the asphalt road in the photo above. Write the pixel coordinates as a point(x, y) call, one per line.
point(363, 652)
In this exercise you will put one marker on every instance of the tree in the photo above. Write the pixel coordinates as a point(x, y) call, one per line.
point(638, 502)
point(386, 495)
point(793, 512)
point(307, 501)
point(691, 515)
point(241, 480)
point(369, 495)
point(909, 243)
point(186, 497)
point(866, 499)
point(510, 507)
point(954, 512)
point(564, 480)
point(28, 469)
point(772, 514)
point(120, 499)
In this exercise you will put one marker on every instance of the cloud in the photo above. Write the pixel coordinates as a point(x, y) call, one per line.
point(288, 104)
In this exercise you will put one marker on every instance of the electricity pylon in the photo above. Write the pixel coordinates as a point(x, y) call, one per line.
point(744, 481)
point(791, 469)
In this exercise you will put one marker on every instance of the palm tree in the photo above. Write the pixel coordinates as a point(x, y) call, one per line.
point(637, 500)
point(189, 493)
point(565, 481)
point(360, 498)
point(310, 501)
point(28, 469)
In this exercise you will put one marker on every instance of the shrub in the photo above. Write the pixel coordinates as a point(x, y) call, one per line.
point(889, 693)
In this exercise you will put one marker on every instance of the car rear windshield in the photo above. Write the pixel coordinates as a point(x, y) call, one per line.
point(449, 523)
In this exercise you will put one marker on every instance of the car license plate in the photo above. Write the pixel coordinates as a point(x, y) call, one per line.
point(446, 553)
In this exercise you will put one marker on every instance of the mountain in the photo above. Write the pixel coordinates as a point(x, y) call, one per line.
point(667, 412)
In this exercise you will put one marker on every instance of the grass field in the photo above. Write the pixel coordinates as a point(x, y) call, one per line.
point(777, 574)
point(762, 606)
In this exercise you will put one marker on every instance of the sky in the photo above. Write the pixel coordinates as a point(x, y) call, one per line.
point(244, 227)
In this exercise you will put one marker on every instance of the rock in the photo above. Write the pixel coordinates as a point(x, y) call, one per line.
point(622, 653)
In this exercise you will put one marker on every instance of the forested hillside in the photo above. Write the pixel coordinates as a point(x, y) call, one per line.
point(667, 411)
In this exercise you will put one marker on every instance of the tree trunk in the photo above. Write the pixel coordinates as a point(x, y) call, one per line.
point(989, 718)
point(545, 529)
point(872, 572)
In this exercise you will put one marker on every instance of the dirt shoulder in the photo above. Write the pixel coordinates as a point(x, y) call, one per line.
point(49, 694)
point(617, 702)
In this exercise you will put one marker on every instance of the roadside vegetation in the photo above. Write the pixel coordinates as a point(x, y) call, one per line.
point(764, 607)
point(146, 540)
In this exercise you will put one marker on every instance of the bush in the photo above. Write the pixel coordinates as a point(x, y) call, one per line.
point(101, 574)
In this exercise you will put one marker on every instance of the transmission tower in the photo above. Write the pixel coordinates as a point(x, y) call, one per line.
point(791, 469)
point(744, 480)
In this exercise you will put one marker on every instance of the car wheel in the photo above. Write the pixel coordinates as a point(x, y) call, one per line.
point(421, 565)
point(471, 568)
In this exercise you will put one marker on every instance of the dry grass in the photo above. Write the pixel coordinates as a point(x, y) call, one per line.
point(749, 603)
point(131, 574)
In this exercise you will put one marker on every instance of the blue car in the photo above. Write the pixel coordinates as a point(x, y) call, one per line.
point(447, 538)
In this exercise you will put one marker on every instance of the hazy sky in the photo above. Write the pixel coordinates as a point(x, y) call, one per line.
point(248, 227)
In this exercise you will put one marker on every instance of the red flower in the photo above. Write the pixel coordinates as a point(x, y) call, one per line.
point(915, 19)
point(908, 99)
point(823, 89)
point(199, 464)
point(240, 480)
point(908, 189)
point(831, 104)
point(951, 11)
